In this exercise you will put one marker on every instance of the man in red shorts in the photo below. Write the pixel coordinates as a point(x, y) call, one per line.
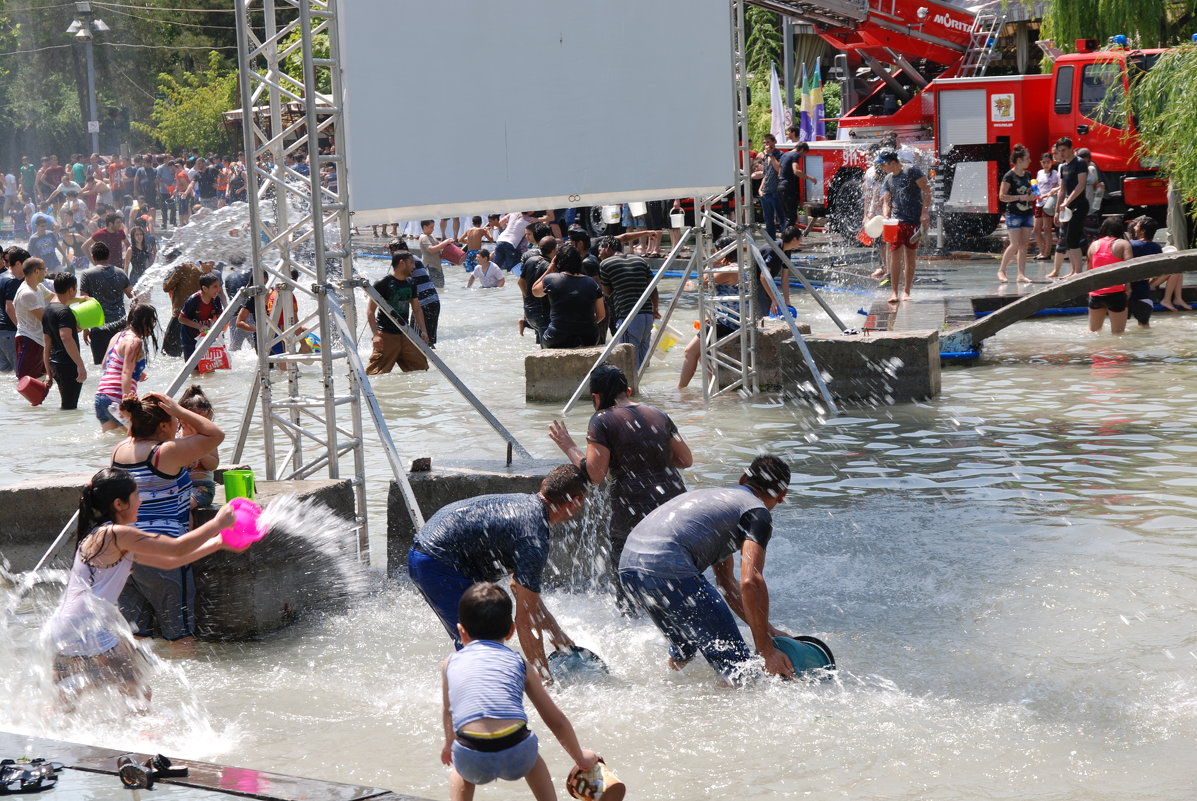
point(906, 195)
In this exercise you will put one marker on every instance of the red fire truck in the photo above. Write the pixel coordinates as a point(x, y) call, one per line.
point(915, 68)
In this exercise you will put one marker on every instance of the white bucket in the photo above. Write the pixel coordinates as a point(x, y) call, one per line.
point(612, 214)
point(1065, 214)
point(875, 226)
point(677, 219)
point(638, 209)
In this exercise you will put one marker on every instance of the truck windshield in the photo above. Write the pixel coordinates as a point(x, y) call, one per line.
point(1102, 93)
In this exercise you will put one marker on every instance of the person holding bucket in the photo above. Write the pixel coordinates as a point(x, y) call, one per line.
point(124, 364)
point(64, 364)
point(669, 550)
point(905, 197)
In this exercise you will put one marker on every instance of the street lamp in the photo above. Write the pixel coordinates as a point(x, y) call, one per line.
point(82, 29)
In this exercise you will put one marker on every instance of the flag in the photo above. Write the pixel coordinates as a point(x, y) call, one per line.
point(777, 108)
point(806, 125)
point(816, 101)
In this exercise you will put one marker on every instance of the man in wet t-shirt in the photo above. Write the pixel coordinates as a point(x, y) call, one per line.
point(669, 550)
point(490, 537)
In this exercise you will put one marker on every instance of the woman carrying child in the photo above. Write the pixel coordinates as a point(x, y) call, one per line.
point(91, 646)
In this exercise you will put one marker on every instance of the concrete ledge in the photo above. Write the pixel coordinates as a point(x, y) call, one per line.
point(447, 483)
point(554, 375)
point(33, 512)
point(771, 342)
point(82, 762)
point(267, 588)
point(881, 367)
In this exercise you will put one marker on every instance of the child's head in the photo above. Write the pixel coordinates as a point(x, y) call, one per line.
point(476, 220)
point(485, 613)
point(194, 400)
point(111, 493)
point(492, 218)
point(484, 256)
point(426, 225)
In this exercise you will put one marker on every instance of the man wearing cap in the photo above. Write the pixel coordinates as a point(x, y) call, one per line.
point(669, 550)
point(906, 195)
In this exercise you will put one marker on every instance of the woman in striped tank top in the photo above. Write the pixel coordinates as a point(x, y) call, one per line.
point(124, 364)
point(157, 601)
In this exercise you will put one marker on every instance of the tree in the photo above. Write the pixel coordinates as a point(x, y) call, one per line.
point(293, 64)
point(190, 113)
point(1149, 23)
point(762, 46)
point(1163, 102)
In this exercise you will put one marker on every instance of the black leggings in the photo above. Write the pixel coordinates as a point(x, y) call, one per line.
point(554, 337)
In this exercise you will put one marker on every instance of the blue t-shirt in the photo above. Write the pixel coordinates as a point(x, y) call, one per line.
point(906, 193)
point(485, 680)
point(491, 536)
point(45, 247)
point(787, 167)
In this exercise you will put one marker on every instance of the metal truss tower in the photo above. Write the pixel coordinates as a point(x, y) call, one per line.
point(299, 227)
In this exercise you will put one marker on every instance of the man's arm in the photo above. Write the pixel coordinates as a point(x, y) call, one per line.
point(925, 187)
point(417, 314)
point(532, 620)
point(754, 594)
point(72, 349)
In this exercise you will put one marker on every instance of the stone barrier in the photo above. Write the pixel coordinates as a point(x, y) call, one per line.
point(553, 375)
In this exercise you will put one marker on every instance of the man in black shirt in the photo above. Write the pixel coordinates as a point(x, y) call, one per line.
point(10, 281)
point(1074, 175)
point(64, 364)
point(391, 345)
point(536, 309)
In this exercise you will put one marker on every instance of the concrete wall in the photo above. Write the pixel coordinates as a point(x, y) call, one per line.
point(238, 596)
point(879, 367)
point(554, 375)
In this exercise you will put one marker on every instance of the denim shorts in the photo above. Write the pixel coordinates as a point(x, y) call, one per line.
point(106, 407)
point(693, 617)
point(1019, 221)
point(203, 490)
point(511, 764)
point(441, 586)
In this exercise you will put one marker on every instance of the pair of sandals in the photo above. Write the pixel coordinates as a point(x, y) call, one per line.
point(28, 776)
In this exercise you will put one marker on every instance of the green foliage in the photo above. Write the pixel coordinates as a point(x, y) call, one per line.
point(1150, 23)
point(759, 115)
point(293, 64)
point(762, 45)
point(191, 113)
point(1164, 104)
point(831, 106)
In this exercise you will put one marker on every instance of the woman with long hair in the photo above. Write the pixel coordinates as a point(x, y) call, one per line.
point(637, 444)
point(142, 250)
point(85, 632)
point(161, 602)
point(124, 364)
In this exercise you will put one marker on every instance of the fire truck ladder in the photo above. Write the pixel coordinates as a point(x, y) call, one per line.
point(982, 42)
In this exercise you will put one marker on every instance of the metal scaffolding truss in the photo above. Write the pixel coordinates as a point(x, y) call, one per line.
point(307, 235)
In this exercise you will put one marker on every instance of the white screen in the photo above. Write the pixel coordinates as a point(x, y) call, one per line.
point(459, 107)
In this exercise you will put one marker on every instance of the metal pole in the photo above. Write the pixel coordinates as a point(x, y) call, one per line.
point(787, 51)
point(797, 271)
point(91, 86)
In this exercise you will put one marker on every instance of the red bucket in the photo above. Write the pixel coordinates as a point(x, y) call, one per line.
point(34, 391)
point(453, 254)
point(890, 232)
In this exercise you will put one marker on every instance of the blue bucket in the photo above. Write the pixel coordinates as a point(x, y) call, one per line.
point(807, 654)
point(576, 664)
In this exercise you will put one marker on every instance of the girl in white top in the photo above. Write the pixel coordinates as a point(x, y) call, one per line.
point(1046, 182)
point(92, 645)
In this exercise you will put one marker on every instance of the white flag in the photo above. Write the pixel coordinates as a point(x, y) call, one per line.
point(777, 107)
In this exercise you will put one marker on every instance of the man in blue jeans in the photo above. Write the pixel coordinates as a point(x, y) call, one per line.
point(489, 537)
point(624, 279)
point(667, 552)
point(771, 207)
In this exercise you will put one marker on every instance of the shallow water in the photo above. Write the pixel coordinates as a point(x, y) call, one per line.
point(1007, 576)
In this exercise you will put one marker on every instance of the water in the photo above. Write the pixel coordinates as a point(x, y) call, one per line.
point(1006, 574)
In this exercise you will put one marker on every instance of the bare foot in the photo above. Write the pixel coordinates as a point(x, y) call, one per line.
point(893, 299)
point(1052, 274)
point(1002, 277)
point(905, 296)
point(1168, 306)
point(1183, 305)
point(880, 271)
point(1022, 279)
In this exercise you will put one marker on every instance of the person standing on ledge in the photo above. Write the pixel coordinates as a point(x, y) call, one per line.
point(905, 194)
point(669, 550)
point(488, 537)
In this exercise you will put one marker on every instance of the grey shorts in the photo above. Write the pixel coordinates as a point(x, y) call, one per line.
point(510, 764)
point(160, 603)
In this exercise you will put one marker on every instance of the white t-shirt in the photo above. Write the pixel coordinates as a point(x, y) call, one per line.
point(488, 278)
point(514, 232)
point(27, 302)
point(10, 185)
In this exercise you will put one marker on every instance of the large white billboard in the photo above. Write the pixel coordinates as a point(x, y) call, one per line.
point(457, 107)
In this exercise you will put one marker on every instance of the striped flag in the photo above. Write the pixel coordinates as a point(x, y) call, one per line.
point(816, 100)
point(806, 123)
